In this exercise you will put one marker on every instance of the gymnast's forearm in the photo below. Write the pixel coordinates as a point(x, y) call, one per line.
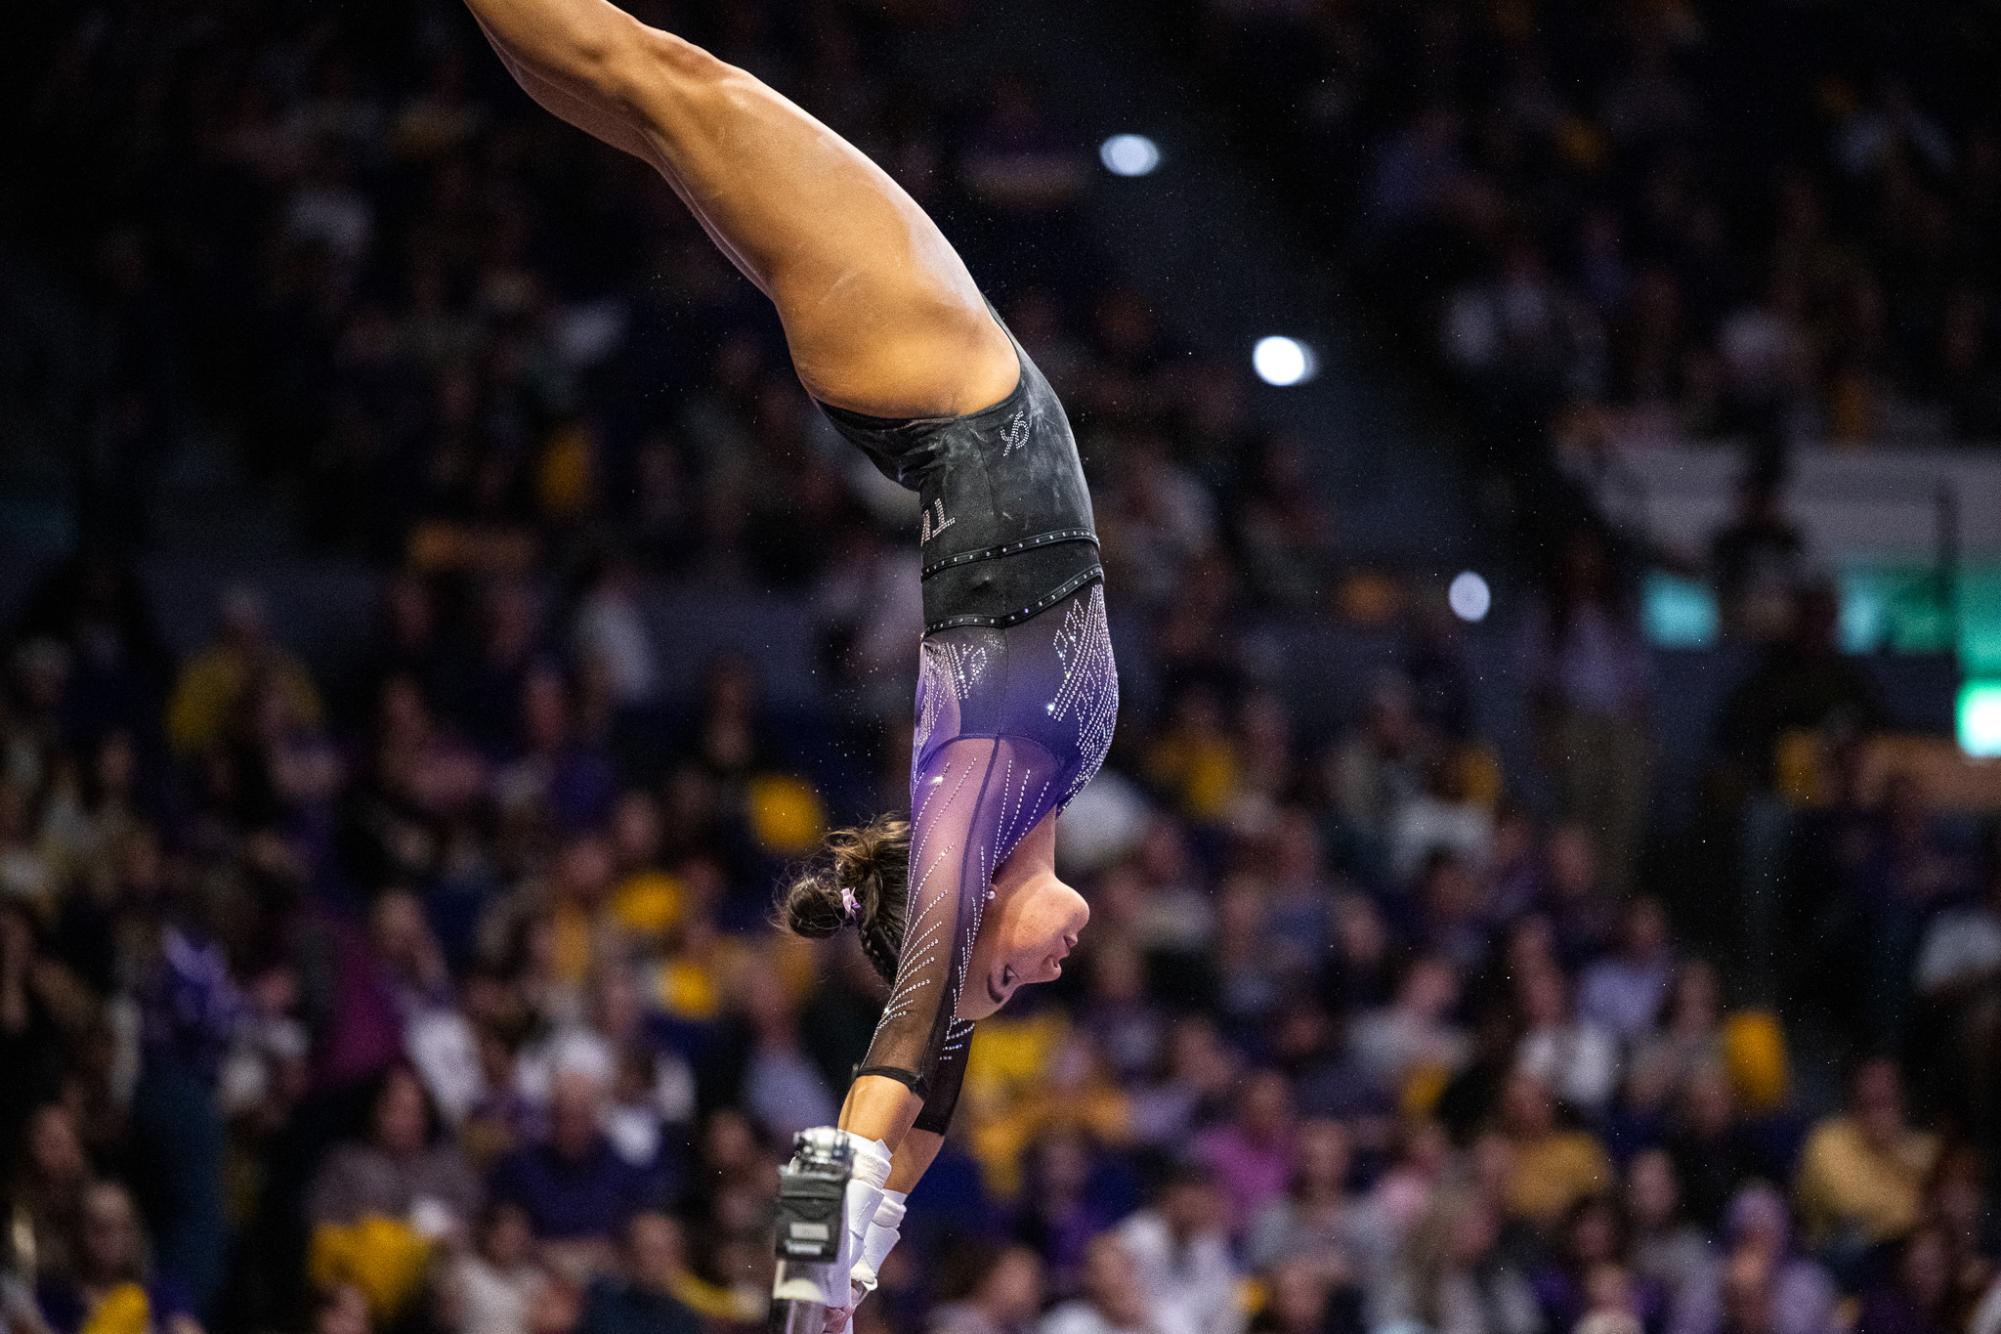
point(913, 1158)
point(880, 1108)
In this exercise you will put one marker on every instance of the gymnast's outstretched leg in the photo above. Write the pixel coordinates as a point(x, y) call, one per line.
point(879, 311)
point(880, 314)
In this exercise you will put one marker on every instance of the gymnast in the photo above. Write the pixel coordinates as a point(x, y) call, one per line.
point(958, 905)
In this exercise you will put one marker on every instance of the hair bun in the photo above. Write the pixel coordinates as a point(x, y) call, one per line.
point(812, 904)
point(858, 865)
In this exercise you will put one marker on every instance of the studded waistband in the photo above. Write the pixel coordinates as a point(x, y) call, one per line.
point(1013, 548)
point(1043, 603)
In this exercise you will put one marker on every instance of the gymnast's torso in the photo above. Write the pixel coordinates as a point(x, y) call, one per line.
point(1006, 529)
point(1017, 690)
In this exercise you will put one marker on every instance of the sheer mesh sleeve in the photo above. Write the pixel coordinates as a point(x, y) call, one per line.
point(974, 800)
point(1011, 723)
point(942, 1097)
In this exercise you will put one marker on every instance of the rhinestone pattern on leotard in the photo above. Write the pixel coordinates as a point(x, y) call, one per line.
point(1090, 687)
point(946, 669)
point(1010, 724)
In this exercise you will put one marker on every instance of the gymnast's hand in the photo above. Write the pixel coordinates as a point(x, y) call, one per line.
point(831, 1285)
point(877, 1242)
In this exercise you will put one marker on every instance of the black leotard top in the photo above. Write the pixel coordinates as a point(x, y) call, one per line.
point(1007, 529)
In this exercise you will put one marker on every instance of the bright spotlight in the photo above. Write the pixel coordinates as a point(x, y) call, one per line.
point(1284, 361)
point(1470, 597)
point(1129, 155)
point(1980, 719)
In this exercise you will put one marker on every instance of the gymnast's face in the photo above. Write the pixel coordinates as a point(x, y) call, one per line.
point(1029, 929)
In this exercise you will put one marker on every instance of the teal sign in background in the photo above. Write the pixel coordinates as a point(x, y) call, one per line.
point(1884, 609)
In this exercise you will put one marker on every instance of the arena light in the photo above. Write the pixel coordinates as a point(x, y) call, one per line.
point(1469, 597)
point(1129, 155)
point(1980, 719)
point(1283, 361)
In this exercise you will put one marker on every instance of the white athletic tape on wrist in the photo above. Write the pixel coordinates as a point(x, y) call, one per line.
point(872, 1160)
point(864, 1197)
point(883, 1232)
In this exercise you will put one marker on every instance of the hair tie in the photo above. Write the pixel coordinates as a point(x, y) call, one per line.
point(851, 907)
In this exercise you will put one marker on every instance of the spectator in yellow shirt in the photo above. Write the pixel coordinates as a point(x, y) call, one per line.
point(212, 686)
point(1553, 1168)
point(1862, 1174)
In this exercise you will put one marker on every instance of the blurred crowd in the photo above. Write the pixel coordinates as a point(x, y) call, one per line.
point(439, 320)
point(1651, 218)
point(431, 986)
point(437, 992)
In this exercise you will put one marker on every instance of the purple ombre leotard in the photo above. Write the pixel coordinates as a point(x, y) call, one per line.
point(1017, 692)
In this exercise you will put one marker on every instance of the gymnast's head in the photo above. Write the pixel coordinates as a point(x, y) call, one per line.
point(1026, 930)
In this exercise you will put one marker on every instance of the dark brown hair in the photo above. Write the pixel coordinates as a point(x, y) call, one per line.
point(870, 861)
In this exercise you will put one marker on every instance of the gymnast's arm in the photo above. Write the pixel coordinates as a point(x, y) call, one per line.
point(878, 1107)
point(913, 1158)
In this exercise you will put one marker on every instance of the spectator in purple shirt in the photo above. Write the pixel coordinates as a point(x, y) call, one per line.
point(1624, 992)
point(564, 772)
point(1251, 1157)
point(1798, 1294)
point(573, 1183)
point(1069, 1199)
